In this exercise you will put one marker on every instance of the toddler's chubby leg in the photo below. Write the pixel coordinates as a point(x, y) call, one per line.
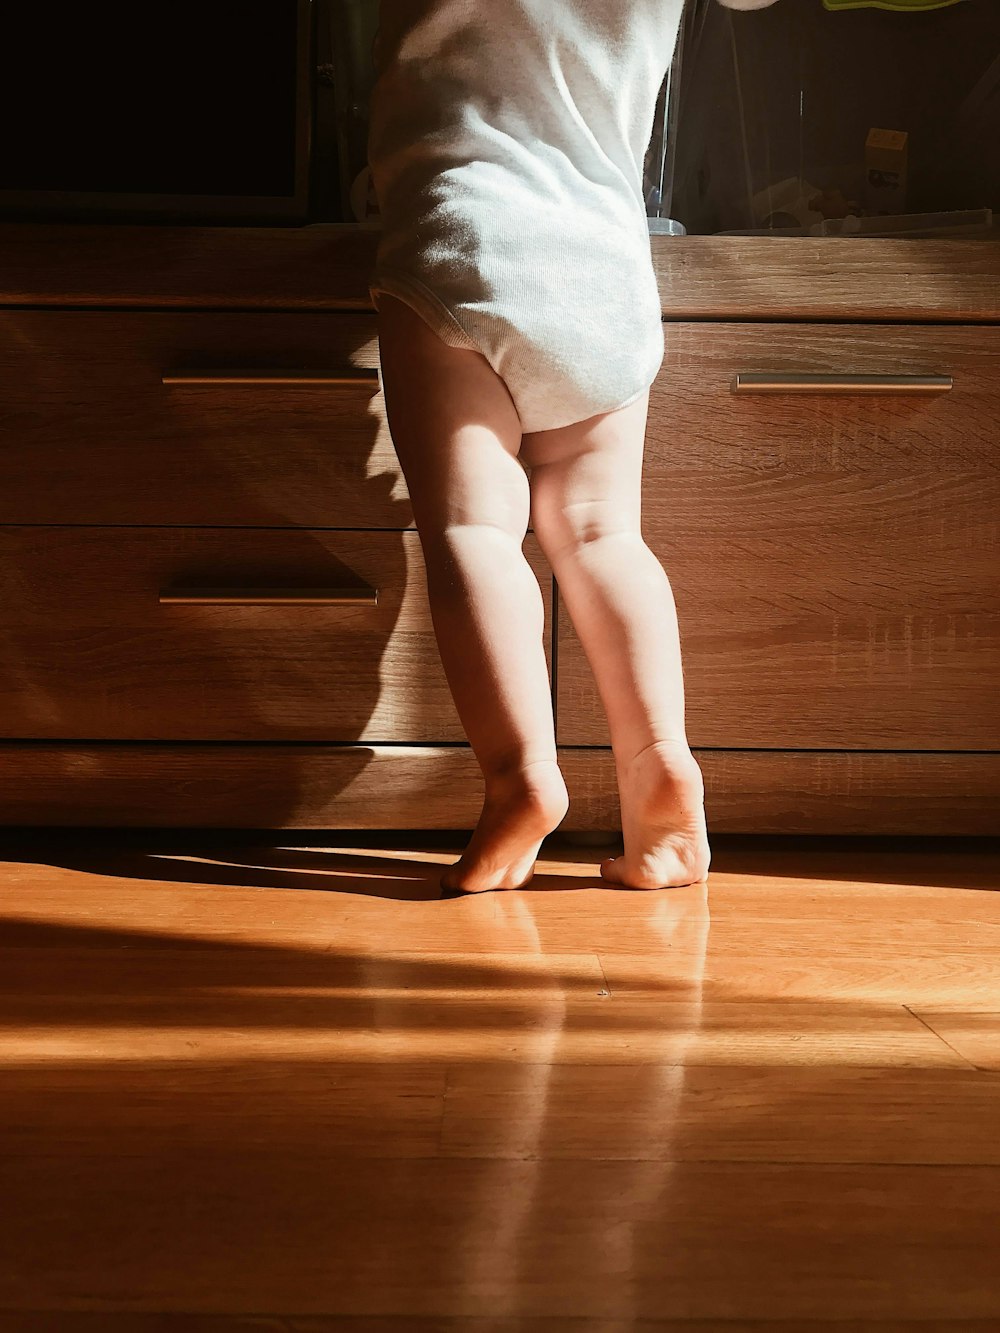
point(586, 504)
point(457, 436)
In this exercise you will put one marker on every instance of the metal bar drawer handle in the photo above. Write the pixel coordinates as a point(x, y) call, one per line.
point(363, 377)
point(792, 382)
point(363, 596)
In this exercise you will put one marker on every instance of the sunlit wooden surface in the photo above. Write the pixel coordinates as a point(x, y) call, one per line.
point(273, 1083)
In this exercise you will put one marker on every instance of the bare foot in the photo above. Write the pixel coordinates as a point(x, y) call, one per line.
point(520, 810)
point(662, 796)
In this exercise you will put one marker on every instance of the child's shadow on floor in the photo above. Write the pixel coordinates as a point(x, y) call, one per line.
point(409, 872)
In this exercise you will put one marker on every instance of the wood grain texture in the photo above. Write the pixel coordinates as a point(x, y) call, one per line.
point(485, 1108)
point(227, 1094)
point(807, 277)
point(200, 888)
point(327, 267)
point(335, 1234)
point(91, 434)
point(87, 650)
point(835, 560)
point(863, 975)
point(105, 1322)
point(320, 267)
point(83, 399)
point(974, 1035)
point(842, 646)
point(155, 1009)
point(699, 429)
point(817, 1113)
point(239, 785)
point(788, 791)
point(286, 786)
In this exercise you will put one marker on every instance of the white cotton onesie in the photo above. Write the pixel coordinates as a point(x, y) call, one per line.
point(507, 141)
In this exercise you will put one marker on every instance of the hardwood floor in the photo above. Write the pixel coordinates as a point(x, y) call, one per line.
point(274, 1083)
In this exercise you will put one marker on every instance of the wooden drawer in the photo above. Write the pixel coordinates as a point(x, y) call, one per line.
point(834, 557)
point(273, 785)
point(187, 784)
point(89, 433)
point(88, 651)
point(698, 424)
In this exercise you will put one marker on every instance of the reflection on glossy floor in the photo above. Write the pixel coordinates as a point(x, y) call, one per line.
point(273, 1083)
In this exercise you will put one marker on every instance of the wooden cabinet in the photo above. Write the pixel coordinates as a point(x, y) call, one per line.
point(202, 417)
point(833, 551)
point(166, 633)
point(191, 417)
point(832, 544)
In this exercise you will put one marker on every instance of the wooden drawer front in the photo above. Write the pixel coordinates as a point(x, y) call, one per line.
point(697, 423)
point(89, 652)
point(270, 785)
point(412, 786)
point(746, 791)
point(835, 559)
point(89, 433)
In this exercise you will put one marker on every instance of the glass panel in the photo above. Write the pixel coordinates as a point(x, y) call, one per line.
point(827, 117)
point(354, 25)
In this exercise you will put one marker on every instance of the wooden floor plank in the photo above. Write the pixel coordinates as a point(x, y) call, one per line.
point(189, 889)
point(140, 914)
point(66, 1322)
point(975, 1036)
point(189, 978)
point(818, 1114)
point(148, 1107)
point(254, 1087)
point(922, 977)
point(74, 1008)
point(813, 1113)
point(575, 1033)
point(464, 1237)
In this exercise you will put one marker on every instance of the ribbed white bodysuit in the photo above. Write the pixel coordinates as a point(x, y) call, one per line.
point(506, 145)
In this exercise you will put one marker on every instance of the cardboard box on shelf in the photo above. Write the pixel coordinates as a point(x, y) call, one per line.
point(885, 171)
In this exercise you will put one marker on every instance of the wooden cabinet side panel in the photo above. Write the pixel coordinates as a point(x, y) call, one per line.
point(811, 793)
point(386, 787)
point(327, 266)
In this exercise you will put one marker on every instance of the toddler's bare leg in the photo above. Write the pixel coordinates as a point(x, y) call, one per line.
point(586, 512)
point(457, 435)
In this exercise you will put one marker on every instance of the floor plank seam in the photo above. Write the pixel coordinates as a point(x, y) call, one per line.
point(605, 990)
point(971, 1063)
